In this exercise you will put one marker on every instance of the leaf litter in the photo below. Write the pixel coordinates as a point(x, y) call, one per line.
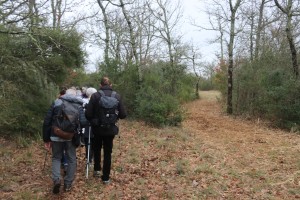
point(211, 156)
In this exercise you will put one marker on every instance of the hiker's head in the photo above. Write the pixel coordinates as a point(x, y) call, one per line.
point(83, 90)
point(105, 81)
point(71, 91)
point(78, 93)
point(90, 91)
point(62, 91)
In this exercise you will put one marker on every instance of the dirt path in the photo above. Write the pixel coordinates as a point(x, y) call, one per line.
point(254, 161)
point(212, 156)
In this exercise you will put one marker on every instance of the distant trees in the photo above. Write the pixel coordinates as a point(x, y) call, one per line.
point(41, 43)
point(262, 57)
point(136, 36)
point(142, 44)
point(144, 54)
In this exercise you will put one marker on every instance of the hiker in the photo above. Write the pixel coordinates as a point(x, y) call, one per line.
point(88, 134)
point(103, 135)
point(64, 161)
point(83, 91)
point(61, 140)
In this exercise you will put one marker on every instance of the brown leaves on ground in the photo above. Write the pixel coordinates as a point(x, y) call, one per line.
point(212, 156)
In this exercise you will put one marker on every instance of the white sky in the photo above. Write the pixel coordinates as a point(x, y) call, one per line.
point(192, 10)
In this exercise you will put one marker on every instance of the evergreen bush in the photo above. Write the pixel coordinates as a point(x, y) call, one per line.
point(40, 60)
point(267, 88)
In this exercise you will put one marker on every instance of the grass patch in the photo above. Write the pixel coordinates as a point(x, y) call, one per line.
point(204, 168)
point(181, 167)
point(256, 174)
point(23, 141)
point(207, 157)
point(26, 195)
point(133, 157)
point(208, 192)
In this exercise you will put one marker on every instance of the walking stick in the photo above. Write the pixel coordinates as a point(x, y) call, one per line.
point(120, 156)
point(45, 160)
point(88, 156)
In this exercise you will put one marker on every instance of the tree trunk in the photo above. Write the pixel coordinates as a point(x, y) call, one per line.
point(132, 39)
point(230, 55)
point(288, 11)
point(106, 26)
point(292, 46)
point(259, 29)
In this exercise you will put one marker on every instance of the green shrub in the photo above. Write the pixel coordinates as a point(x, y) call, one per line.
point(31, 68)
point(267, 88)
point(158, 108)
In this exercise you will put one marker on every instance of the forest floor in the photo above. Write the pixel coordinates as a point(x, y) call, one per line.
point(211, 156)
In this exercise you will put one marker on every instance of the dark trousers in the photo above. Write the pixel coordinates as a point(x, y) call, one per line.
point(107, 143)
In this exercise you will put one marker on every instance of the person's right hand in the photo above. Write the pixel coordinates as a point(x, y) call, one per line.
point(48, 146)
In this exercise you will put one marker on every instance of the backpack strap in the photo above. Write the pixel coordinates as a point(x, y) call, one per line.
point(101, 93)
point(113, 94)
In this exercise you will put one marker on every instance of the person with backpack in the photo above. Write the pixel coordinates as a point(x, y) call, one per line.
point(88, 134)
point(103, 110)
point(60, 127)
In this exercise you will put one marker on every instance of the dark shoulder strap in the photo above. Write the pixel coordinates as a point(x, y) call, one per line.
point(101, 93)
point(113, 93)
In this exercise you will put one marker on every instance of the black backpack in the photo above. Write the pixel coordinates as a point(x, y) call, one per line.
point(108, 115)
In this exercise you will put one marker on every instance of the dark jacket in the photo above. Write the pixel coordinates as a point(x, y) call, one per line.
point(54, 111)
point(93, 107)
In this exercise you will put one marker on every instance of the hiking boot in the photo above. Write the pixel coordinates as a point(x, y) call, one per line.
point(97, 174)
point(67, 187)
point(56, 187)
point(106, 182)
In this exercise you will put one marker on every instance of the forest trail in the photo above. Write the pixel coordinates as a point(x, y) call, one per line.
point(256, 162)
point(211, 156)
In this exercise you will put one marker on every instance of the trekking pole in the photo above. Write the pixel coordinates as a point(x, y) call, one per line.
point(121, 161)
point(46, 154)
point(88, 156)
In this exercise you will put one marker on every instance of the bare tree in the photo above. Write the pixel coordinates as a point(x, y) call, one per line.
point(146, 33)
point(13, 12)
point(33, 13)
point(57, 12)
point(290, 12)
point(131, 32)
point(107, 29)
point(168, 19)
point(193, 56)
point(233, 11)
point(217, 22)
point(260, 27)
point(221, 15)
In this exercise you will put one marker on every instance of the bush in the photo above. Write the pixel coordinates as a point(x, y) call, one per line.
point(282, 99)
point(155, 102)
point(158, 108)
point(40, 64)
point(267, 88)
